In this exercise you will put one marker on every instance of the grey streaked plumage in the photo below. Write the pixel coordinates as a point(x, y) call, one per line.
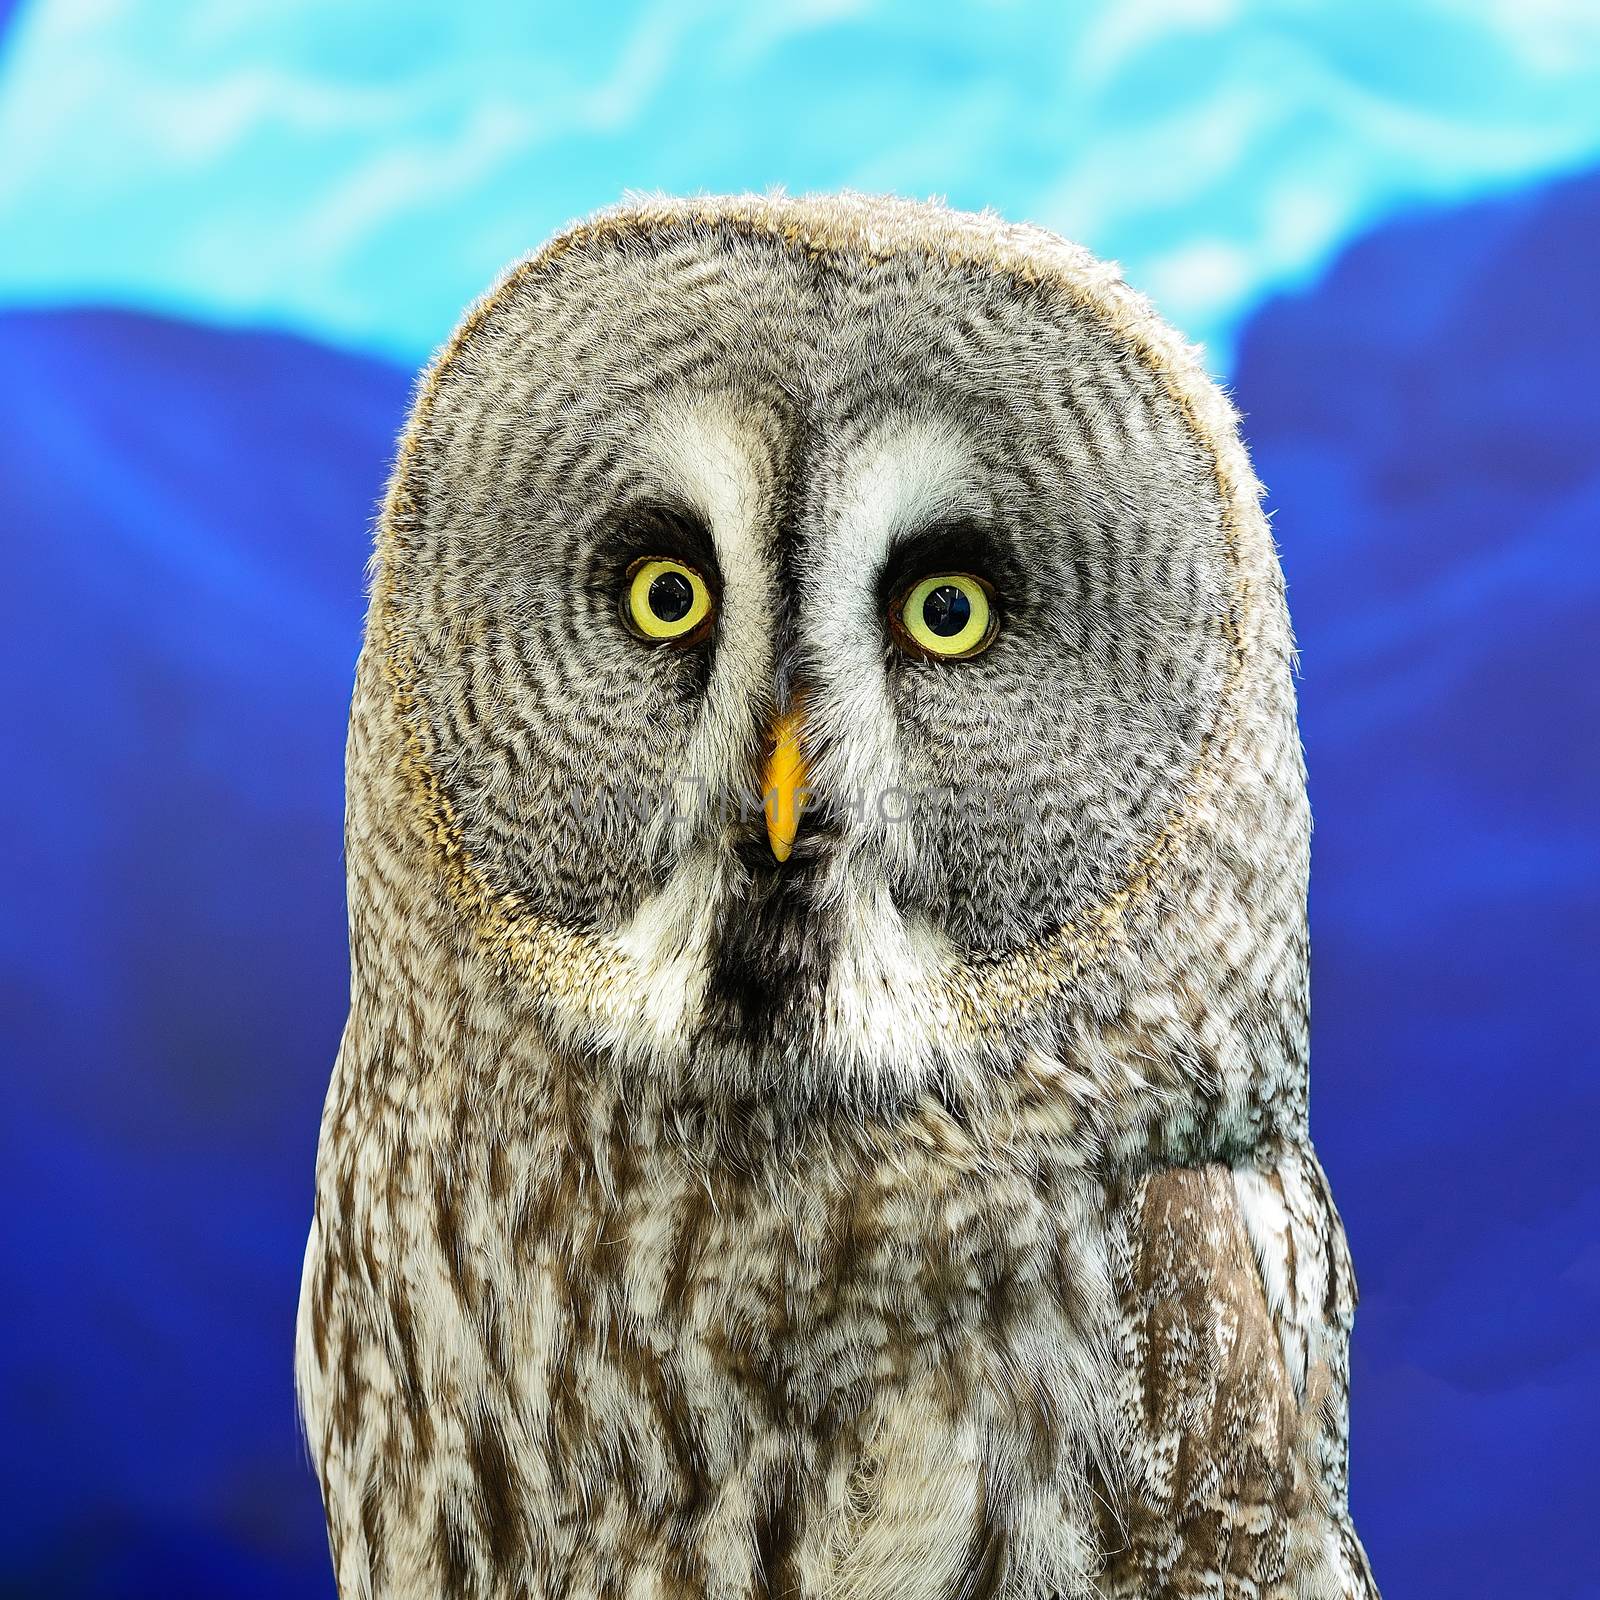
point(937, 1216)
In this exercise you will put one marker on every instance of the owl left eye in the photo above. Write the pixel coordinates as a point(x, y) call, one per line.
point(947, 616)
point(666, 601)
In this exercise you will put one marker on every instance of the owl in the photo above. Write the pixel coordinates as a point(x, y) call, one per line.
point(822, 1112)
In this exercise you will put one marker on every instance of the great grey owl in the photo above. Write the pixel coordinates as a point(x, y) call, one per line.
point(823, 1106)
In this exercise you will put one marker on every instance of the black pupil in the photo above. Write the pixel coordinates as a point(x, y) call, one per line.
point(671, 596)
point(947, 610)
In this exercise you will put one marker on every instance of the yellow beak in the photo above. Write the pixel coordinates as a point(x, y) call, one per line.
point(783, 785)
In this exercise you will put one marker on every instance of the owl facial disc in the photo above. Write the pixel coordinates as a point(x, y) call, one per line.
point(815, 644)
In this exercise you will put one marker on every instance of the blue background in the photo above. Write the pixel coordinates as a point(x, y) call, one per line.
point(228, 236)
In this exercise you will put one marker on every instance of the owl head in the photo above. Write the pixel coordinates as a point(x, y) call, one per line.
point(829, 649)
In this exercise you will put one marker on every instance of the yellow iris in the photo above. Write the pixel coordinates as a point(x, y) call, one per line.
point(948, 615)
point(666, 600)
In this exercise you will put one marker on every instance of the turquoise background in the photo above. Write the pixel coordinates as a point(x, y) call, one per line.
point(229, 233)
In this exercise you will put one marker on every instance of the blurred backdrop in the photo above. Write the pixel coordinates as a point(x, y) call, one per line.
point(229, 234)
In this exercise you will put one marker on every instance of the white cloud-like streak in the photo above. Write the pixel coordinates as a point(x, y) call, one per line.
point(359, 172)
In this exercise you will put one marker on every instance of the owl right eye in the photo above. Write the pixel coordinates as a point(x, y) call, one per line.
point(665, 601)
point(946, 616)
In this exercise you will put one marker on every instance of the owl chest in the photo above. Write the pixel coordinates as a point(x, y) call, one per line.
point(591, 1302)
point(795, 1367)
point(788, 1306)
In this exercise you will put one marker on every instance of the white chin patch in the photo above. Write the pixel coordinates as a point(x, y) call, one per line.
point(666, 949)
point(881, 1023)
point(880, 1006)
